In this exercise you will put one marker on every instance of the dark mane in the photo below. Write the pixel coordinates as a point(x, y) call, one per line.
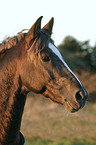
point(10, 42)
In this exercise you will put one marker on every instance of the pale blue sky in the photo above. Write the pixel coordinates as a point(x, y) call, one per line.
point(72, 17)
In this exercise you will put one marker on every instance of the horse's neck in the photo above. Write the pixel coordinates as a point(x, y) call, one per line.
point(12, 102)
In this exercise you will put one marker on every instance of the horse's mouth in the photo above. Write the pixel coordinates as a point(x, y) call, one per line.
point(70, 107)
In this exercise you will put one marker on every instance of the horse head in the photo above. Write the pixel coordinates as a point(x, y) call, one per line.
point(44, 71)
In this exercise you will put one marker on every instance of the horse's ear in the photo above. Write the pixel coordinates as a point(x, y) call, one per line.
point(33, 31)
point(48, 27)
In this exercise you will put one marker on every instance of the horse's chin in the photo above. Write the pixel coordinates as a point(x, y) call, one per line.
point(70, 108)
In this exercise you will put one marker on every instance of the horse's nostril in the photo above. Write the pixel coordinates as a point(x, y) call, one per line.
point(79, 96)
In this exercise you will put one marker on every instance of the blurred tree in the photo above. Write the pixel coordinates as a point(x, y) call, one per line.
point(91, 58)
point(70, 43)
point(81, 54)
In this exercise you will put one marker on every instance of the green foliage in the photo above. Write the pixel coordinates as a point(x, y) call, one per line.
point(91, 58)
point(70, 43)
point(82, 55)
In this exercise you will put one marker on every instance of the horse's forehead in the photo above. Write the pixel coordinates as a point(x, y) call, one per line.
point(55, 50)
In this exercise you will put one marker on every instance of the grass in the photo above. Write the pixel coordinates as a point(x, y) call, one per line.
point(61, 142)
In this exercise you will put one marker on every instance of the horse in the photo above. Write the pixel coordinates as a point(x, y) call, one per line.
point(30, 62)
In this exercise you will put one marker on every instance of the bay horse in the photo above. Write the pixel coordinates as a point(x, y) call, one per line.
point(30, 62)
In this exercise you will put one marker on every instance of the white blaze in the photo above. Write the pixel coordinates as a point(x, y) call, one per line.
point(57, 52)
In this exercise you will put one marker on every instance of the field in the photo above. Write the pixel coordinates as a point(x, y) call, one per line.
point(47, 123)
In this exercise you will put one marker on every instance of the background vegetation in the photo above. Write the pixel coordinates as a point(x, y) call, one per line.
point(79, 55)
point(47, 123)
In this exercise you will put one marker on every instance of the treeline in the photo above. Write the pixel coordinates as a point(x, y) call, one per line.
point(79, 55)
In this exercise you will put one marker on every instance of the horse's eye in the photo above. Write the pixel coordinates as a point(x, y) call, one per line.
point(45, 58)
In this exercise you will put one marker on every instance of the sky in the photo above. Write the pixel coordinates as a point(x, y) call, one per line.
point(71, 17)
